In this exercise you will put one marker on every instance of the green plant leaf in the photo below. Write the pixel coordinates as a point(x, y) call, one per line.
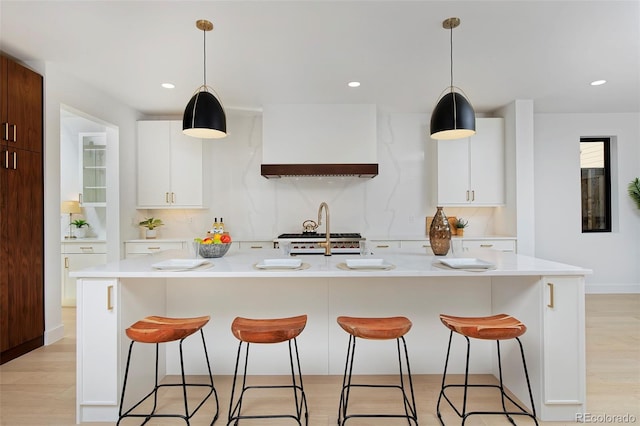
point(634, 191)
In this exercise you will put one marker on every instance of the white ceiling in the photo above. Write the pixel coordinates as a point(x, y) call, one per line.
point(305, 51)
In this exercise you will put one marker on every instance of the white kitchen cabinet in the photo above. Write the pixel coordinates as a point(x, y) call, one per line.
point(471, 171)
point(254, 245)
point(144, 248)
point(76, 256)
point(93, 169)
point(501, 244)
point(169, 166)
point(563, 370)
point(97, 358)
point(378, 246)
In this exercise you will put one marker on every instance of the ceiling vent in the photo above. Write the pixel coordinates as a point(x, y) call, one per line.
point(319, 140)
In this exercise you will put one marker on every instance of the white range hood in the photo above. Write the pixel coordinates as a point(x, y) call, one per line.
point(319, 140)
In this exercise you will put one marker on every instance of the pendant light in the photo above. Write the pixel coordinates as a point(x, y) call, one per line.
point(204, 115)
point(453, 117)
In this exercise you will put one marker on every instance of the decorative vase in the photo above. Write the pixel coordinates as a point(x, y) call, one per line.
point(460, 232)
point(80, 232)
point(440, 234)
point(150, 234)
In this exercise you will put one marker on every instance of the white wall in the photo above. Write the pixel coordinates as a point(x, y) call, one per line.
point(62, 89)
point(392, 205)
point(613, 256)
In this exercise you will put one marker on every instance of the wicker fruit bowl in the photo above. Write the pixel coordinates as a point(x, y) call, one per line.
point(213, 250)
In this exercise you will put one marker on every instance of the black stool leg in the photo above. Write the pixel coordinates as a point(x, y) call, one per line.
point(346, 381)
point(410, 409)
point(148, 416)
point(464, 415)
point(296, 387)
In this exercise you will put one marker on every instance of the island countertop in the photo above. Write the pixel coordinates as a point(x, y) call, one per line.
point(547, 296)
point(405, 263)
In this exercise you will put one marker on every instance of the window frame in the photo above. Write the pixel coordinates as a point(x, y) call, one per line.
point(608, 192)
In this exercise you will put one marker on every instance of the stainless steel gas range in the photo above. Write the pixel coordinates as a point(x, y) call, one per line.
point(309, 242)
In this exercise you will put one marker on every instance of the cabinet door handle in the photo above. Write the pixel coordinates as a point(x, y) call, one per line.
point(473, 195)
point(166, 197)
point(15, 160)
point(467, 195)
point(5, 131)
point(66, 263)
point(6, 159)
point(80, 198)
point(15, 133)
point(109, 295)
point(551, 302)
point(173, 197)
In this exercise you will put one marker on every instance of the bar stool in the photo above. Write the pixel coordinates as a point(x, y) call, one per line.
point(496, 327)
point(376, 329)
point(276, 330)
point(155, 329)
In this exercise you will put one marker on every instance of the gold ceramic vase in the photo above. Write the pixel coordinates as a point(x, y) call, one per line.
point(440, 234)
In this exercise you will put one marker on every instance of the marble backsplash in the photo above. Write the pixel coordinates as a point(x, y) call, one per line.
point(393, 205)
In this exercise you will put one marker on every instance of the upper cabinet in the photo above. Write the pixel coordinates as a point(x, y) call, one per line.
point(21, 98)
point(93, 169)
point(471, 171)
point(169, 166)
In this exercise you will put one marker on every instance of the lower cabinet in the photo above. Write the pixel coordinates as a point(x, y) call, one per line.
point(506, 245)
point(97, 350)
point(142, 248)
point(564, 322)
point(76, 256)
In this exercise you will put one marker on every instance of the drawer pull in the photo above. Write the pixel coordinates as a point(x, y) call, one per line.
point(153, 248)
point(383, 246)
point(256, 247)
point(551, 301)
point(86, 248)
point(109, 301)
point(486, 245)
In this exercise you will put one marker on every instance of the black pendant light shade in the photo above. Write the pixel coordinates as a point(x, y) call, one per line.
point(453, 118)
point(204, 117)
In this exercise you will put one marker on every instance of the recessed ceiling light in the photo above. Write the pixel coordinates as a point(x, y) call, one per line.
point(168, 85)
point(598, 82)
point(354, 84)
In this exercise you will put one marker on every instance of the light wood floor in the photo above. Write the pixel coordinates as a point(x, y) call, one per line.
point(38, 389)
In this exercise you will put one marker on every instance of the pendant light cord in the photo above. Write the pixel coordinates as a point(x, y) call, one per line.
point(451, 54)
point(204, 44)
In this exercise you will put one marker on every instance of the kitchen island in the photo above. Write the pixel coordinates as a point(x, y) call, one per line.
point(547, 296)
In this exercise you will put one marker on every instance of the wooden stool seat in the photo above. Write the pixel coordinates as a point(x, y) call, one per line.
point(375, 328)
point(155, 329)
point(274, 330)
point(496, 327)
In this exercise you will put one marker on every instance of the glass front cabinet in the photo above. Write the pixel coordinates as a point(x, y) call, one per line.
point(93, 155)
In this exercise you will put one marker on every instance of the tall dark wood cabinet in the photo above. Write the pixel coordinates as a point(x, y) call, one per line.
point(21, 211)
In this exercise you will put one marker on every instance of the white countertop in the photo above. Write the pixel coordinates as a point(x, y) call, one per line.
point(407, 263)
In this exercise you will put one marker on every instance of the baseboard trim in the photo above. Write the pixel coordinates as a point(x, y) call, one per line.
point(52, 336)
point(612, 288)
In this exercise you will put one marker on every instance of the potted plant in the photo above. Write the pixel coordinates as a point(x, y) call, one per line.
point(460, 225)
point(634, 191)
point(80, 231)
point(151, 224)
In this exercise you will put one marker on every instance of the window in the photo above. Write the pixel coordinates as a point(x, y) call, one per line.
point(595, 175)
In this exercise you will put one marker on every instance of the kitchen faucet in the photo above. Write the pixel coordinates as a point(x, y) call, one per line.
point(327, 243)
